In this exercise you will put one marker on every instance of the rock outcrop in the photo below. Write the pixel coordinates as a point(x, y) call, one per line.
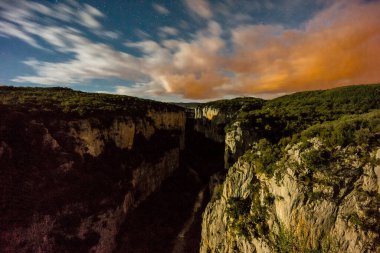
point(67, 182)
point(333, 208)
point(219, 121)
point(210, 121)
point(303, 176)
point(212, 118)
point(238, 139)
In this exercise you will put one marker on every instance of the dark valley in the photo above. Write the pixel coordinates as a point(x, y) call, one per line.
point(86, 172)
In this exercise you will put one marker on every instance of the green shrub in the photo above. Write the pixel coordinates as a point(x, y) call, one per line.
point(75, 102)
point(316, 158)
point(238, 207)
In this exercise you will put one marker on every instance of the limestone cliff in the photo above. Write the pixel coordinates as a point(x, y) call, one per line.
point(68, 180)
point(218, 121)
point(317, 197)
point(238, 139)
point(306, 177)
point(211, 122)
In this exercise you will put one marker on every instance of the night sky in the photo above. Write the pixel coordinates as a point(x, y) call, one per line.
point(186, 50)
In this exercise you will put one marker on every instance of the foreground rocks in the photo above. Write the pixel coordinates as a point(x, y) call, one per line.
point(334, 209)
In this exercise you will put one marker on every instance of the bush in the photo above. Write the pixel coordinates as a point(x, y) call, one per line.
point(316, 158)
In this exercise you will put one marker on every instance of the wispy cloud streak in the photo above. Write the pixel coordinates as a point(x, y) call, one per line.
point(91, 59)
point(161, 9)
point(201, 8)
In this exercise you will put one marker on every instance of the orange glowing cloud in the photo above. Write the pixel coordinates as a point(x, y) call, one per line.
point(338, 46)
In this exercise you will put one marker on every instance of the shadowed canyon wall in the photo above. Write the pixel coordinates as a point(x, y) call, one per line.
point(170, 219)
point(68, 181)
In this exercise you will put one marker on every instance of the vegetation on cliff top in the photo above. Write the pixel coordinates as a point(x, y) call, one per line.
point(335, 133)
point(284, 120)
point(333, 156)
point(75, 102)
point(291, 114)
point(236, 105)
point(284, 116)
point(358, 130)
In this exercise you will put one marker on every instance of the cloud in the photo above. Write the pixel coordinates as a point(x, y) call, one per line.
point(199, 7)
point(166, 30)
point(150, 90)
point(10, 30)
point(25, 20)
point(88, 17)
point(160, 9)
point(189, 69)
point(90, 59)
point(324, 52)
point(339, 46)
point(141, 34)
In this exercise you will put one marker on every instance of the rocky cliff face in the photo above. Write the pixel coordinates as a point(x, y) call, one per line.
point(219, 121)
point(238, 139)
point(68, 181)
point(303, 176)
point(221, 127)
point(210, 121)
point(332, 208)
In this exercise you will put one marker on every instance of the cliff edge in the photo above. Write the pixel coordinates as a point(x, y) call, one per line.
point(74, 164)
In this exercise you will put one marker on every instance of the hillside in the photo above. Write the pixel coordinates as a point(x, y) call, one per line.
point(68, 101)
point(74, 165)
point(303, 175)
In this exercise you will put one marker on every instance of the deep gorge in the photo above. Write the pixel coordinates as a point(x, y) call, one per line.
point(84, 172)
point(156, 224)
point(92, 181)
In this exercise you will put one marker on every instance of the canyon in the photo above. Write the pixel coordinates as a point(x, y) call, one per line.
point(87, 172)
